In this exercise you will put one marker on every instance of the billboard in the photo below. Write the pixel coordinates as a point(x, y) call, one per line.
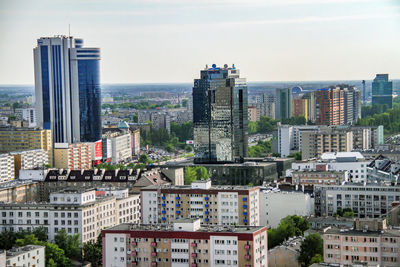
point(189, 142)
point(97, 150)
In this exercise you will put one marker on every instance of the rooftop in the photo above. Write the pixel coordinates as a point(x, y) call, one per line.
point(21, 250)
point(189, 187)
point(341, 155)
point(352, 232)
point(169, 228)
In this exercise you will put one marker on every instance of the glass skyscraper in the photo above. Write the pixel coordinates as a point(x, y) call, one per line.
point(382, 90)
point(283, 103)
point(67, 89)
point(220, 116)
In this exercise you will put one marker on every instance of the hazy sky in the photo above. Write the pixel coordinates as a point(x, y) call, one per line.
point(156, 41)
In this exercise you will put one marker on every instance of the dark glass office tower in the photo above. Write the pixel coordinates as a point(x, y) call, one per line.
point(67, 89)
point(382, 90)
point(220, 116)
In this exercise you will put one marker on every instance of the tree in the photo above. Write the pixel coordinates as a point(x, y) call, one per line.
point(169, 147)
point(144, 158)
point(311, 246)
point(296, 155)
point(289, 226)
point(69, 243)
point(92, 252)
point(188, 148)
point(190, 175)
point(317, 259)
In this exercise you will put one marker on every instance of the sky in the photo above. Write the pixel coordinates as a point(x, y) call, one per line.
point(162, 41)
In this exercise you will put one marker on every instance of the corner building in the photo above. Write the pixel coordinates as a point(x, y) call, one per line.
point(220, 115)
point(185, 243)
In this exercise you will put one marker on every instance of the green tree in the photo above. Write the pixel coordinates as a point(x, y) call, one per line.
point(296, 155)
point(188, 148)
point(262, 149)
point(317, 259)
point(311, 246)
point(92, 252)
point(144, 158)
point(69, 243)
point(289, 226)
point(190, 175)
point(169, 147)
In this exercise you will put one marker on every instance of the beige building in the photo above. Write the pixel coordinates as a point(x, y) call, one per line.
point(315, 143)
point(252, 113)
point(311, 178)
point(30, 159)
point(19, 191)
point(285, 255)
point(214, 205)
point(7, 172)
point(369, 241)
point(185, 243)
point(17, 139)
point(76, 156)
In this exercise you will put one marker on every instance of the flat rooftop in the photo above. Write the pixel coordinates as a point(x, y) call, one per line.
point(170, 228)
point(189, 187)
point(352, 232)
point(21, 250)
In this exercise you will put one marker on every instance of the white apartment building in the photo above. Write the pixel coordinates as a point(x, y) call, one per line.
point(290, 138)
point(26, 256)
point(30, 159)
point(185, 243)
point(367, 201)
point(233, 205)
point(352, 162)
point(27, 114)
point(72, 210)
point(121, 146)
point(7, 172)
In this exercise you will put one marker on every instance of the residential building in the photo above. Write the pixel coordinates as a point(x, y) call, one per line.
point(352, 162)
point(30, 159)
point(369, 241)
point(17, 139)
point(120, 142)
point(309, 106)
point(367, 201)
point(213, 205)
point(352, 104)
point(289, 138)
point(394, 215)
point(320, 176)
point(183, 243)
point(320, 223)
point(252, 114)
point(220, 116)
point(277, 204)
point(18, 191)
point(75, 211)
point(161, 120)
point(67, 89)
point(286, 254)
point(7, 171)
point(30, 255)
point(329, 106)
point(77, 156)
point(28, 115)
point(136, 142)
point(283, 103)
point(382, 90)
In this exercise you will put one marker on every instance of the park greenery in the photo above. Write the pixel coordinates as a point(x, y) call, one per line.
point(381, 115)
point(311, 250)
point(268, 125)
point(58, 253)
point(346, 212)
point(289, 226)
point(195, 173)
point(262, 149)
point(138, 105)
point(296, 155)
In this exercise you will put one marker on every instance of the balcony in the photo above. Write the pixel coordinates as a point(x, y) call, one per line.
point(134, 253)
point(134, 263)
point(247, 265)
point(134, 243)
point(194, 265)
point(153, 254)
point(153, 244)
point(153, 263)
point(194, 255)
point(247, 257)
point(246, 247)
point(194, 245)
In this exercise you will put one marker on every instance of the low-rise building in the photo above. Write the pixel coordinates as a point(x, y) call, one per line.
point(7, 170)
point(77, 156)
point(75, 211)
point(185, 243)
point(369, 241)
point(366, 201)
point(30, 255)
point(213, 205)
point(319, 177)
point(287, 254)
point(383, 170)
point(320, 223)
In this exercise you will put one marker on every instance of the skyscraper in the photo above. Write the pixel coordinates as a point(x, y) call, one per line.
point(382, 90)
point(330, 106)
point(283, 103)
point(220, 115)
point(67, 89)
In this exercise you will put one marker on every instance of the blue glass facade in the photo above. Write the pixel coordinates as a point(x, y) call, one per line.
point(58, 133)
point(44, 61)
point(89, 100)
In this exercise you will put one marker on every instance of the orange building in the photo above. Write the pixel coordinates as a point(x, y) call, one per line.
point(330, 106)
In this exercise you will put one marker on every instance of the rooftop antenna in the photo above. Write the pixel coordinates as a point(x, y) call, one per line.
point(69, 30)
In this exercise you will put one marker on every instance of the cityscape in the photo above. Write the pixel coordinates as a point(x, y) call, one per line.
point(227, 167)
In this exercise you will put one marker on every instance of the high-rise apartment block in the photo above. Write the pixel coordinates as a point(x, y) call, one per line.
point(30, 159)
point(213, 205)
point(86, 212)
point(185, 243)
point(67, 89)
point(329, 106)
point(7, 172)
point(76, 156)
point(28, 115)
point(18, 139)
point(283, 103)
point(265, 105)
point(368, 243)
point(160, 120)
point(382, 90)
point(220, 115)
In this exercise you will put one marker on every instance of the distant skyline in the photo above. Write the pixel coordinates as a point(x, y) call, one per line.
point(162, 41)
